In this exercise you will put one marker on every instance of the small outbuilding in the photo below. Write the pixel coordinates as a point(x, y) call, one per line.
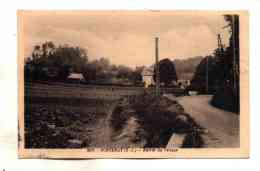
point(76, 77)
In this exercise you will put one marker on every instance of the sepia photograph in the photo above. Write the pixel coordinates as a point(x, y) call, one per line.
point(133, 84)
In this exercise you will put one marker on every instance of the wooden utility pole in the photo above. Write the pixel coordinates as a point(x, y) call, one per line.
point(234, 52)
point(207, 75)
point(157, 76)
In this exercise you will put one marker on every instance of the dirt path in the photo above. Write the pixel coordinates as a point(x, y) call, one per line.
point(101, 131)
point(222, 126)
point(103, 135)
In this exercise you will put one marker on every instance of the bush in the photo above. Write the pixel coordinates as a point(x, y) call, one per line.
point(226, 98)
point(158, 117)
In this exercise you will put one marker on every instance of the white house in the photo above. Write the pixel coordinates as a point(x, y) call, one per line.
point(147, 75)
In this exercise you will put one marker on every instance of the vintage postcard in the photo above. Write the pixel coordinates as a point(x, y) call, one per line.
point(133, 84)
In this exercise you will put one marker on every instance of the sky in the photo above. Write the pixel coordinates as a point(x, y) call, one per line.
point(128, 37)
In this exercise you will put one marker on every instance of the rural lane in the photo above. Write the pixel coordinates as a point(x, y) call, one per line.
point(222, 126)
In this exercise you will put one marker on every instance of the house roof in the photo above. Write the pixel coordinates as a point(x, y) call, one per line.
point(147, 71)
point(76, 76)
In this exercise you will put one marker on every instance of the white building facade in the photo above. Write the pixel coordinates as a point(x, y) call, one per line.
point(147, 76)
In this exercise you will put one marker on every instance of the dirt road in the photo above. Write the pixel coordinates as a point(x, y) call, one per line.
point(222, 126)
point(103, 135)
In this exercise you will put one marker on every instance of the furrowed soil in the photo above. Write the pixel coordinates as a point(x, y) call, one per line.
point(67, 123)
point(70, 116)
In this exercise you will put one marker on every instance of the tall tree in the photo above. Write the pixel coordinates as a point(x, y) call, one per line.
point(47, 58)
point(167, 72)
point(205, 77)
point(232, 52)
point(228, 97)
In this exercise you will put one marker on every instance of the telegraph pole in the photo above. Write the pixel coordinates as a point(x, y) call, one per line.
point(207, 75)
point(234, 51)
point(157, 86)
point(220, 45)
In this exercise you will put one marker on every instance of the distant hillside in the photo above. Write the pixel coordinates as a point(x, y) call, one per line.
point(185, 68)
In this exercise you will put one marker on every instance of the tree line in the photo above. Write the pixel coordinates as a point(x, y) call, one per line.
point(49, 62)
point(219, 73)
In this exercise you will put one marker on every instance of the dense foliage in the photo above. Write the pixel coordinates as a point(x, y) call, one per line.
point(228, 96)
point(219, 74)
point(158, 118)
point(49, 62)
point(167, 72)
point(186, 68)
